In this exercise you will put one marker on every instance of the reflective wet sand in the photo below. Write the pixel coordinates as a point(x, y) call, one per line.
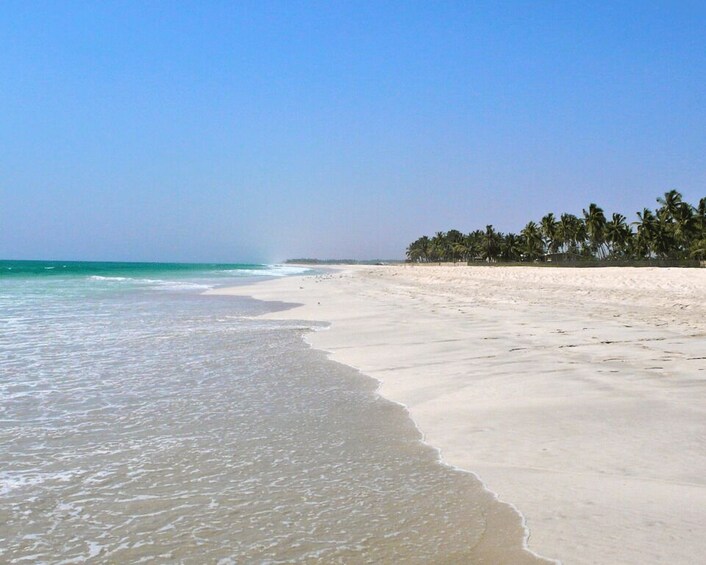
point(178, 428)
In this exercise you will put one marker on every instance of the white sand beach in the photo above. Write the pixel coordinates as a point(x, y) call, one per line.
point(577, 395)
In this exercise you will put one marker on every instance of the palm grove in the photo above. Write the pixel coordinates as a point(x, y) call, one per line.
point(676, 230)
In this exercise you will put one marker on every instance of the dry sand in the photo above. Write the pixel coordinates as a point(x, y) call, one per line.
point(578, 395)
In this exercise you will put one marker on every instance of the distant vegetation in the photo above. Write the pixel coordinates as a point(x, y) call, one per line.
point(309, 261)
point(676, 230)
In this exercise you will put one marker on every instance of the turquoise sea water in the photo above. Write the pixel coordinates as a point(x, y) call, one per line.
point(215, 271)
point(142, 421)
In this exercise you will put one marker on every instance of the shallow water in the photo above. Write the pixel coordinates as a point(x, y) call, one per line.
point(146, 422)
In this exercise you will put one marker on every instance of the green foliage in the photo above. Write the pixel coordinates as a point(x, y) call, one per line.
point(675, 231)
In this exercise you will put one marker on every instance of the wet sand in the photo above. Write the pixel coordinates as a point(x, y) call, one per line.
point(577, 395)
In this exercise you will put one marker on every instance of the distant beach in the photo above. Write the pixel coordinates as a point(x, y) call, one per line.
point(577, 395)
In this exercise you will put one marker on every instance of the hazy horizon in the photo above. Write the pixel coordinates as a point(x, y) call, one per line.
point(259, 132)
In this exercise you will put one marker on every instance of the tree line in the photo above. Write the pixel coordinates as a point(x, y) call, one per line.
point(675, 230)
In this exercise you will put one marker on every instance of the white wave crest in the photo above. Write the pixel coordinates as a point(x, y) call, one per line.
point(10, 481)
point(176, 285)
point(269, 271)
point(157, 284)
point(100, 278)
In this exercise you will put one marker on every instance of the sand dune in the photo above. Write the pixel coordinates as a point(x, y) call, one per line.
point(578, 395)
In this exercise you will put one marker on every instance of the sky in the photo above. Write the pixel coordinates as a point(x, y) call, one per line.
point(259, 131)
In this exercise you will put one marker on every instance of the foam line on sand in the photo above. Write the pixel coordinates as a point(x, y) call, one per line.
point(577, 395)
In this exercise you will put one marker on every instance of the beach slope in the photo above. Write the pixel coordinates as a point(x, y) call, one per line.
point(578, 395)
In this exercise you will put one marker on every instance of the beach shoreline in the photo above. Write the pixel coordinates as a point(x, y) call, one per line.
point(576, 395)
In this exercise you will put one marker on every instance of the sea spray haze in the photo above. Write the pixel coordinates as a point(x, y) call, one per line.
point(141, 420)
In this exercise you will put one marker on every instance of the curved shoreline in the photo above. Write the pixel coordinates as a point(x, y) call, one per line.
point(542, 383)
point(440, 459)
point(253, 290)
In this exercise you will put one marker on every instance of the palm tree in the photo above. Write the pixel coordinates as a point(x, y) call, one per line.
point(454, 243)
point(439, 247)
point(511, 248)
point(700, 218)
point(413, 253)
point(662, 238)
point(683, 228)
point(617, 234)
point(460, 250)
point(550, 231)
point(674, 230)
point(698, 249)
point(595, 222)
point(491, 242)
point(474, 243)
point(646, 230)
point(533, 243)
point(670, 202)
point(571, 233)
point(676, 217)
point(418, 251)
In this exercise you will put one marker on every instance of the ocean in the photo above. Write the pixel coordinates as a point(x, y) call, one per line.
point(142, 421)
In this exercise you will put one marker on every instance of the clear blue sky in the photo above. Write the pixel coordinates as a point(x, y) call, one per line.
point(225, 131)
